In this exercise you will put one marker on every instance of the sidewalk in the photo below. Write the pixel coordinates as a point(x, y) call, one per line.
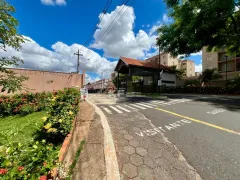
point(144, 157)
point(91, 162)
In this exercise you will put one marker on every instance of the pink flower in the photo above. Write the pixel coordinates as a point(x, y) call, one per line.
point(43, 177)
point(3, 171)
point(20, 168)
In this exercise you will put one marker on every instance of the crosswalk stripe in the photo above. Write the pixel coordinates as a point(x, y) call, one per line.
point(115, 109)
point(150, 104)
point(144, 105)
point(140, 107)
point(107, 110)
point(174, 101)
point(123, 109)
point(158, 102)
point(130, 107)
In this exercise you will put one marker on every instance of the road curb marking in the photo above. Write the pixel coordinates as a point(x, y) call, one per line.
point(201, 122)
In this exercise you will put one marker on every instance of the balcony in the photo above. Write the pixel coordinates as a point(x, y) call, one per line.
point(229, 59)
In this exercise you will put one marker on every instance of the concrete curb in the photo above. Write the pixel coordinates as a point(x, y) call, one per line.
point(112, 168)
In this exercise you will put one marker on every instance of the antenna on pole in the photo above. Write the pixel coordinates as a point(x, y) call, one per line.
point(78, 54)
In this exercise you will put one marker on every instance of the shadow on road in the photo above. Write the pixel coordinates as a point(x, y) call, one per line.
point(220, 102)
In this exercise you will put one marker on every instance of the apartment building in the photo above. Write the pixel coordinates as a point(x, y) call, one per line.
point(218, 60)
point(168, 60)
point(188, 66)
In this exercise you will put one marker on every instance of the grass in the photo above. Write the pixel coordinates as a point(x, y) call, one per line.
point(24, 126)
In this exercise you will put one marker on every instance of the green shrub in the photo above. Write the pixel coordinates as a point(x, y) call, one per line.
point(63, 107)
point(27, 161)
point(35, 159)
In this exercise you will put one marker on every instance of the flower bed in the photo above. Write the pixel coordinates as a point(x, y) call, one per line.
point(35, 159)
point(23, 104)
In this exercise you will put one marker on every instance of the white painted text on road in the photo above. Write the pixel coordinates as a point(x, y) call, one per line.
point(169, 127)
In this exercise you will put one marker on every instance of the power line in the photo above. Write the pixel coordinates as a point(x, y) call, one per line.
point(123, 6)
point(107, 5)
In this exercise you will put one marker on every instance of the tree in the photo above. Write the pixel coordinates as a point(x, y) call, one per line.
point(9, 81)
point(199, 23)
point(208, 75)
point(178, 72)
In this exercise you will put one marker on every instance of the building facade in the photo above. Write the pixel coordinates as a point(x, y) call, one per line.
point(188, 66)
point(167, 60)
point(211, 60)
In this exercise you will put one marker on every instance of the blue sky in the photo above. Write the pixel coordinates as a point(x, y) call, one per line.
point(56, 28)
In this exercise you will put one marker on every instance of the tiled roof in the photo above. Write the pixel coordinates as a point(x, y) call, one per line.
point(135, 62)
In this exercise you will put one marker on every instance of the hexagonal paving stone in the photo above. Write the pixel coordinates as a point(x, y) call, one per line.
point(162, 174)
point(155, 152)
point(136, 159)
point(150, 162)
point(122, 142)
point(128, 137)
point(130, 170)
point(129, 149)
point(145, 172)
point(141, 151)
point(123, 132)
point(134, 143)
point(123, 157)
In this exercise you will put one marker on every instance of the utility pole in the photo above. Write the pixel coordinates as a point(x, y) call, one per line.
point(226, 64)
point(78, 54)
point(159, 61)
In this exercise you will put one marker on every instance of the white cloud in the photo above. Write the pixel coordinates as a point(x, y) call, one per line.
point(61, 2)
point(166, 19)
point(54, 2)
point(61, 58)
point(47, 2)
point(196, 54)
point(121, 40)
point(89, 79)
point(198, 68)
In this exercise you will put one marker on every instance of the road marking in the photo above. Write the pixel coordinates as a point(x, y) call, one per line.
point(168, 127)
point(159, 102)
point(137, 106)
point(123, 109)
point(130, 107)
point(107, 110)
point(201, 122)
point(144, 105)
point(181, 101)
point(216, 111)
point(150, 104)
point(115, 109)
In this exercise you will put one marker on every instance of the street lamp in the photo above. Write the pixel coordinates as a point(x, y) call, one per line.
point(226, 58)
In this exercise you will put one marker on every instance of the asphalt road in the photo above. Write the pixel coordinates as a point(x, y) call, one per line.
point(210, 140)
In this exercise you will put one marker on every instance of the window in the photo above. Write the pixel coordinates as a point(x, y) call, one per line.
point(184, 64)
point(168, 82)
point(224, 67)
point(209, 58)
point(190, 69)
point(163, 57)
point(164, 63)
